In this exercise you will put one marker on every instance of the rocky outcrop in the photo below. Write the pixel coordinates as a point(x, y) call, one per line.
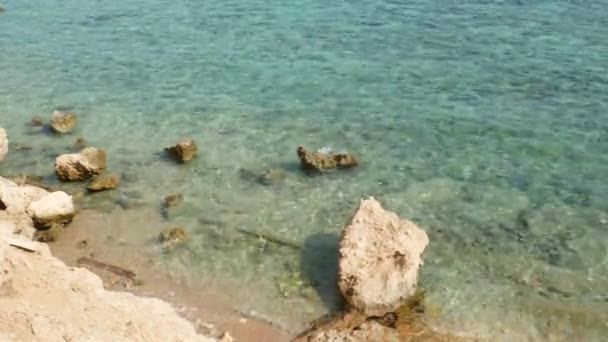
point(380, 254)
point(3, 144)
point(63, 122)
point(104, 182)
point(54, 208)
point(185, 150)
point(323, 161)
point(42, 299)
point(88, 163)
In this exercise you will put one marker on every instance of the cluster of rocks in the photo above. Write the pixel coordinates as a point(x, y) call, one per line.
point(33, 282)
point(37, 211)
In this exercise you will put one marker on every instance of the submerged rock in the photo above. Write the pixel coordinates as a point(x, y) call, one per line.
point(185, 150)
point(267, 177)
point(63, 122)
point(171, 201)
point(80, 143)
point(380, 254)
point(172, 237)
point(104, 182)
point(325, 160)
point(80, 166)
point(272, 176)
point(36, 121)
point(3, 144)
point(54, 208)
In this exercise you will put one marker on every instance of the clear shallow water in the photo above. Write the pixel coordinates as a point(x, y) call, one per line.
point(483, 121)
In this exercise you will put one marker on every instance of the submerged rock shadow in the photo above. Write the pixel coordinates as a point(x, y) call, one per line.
point(319, 265)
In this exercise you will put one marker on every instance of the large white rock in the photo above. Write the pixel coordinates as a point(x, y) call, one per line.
point(56, 207)
point(89, 162)
point(380, 254)
point(3, 143)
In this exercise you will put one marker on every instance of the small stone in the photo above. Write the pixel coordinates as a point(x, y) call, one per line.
point(36, 121)
point(171, 201)
point(185, 150)
point(272, 176)
point(88, 163)
point(104, 182)
point(323, 161)
point(54, 208)
point(63, 122)
point(172, 237)
point(80, 143)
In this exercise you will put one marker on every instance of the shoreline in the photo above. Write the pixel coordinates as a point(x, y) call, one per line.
point(206, 306)
point(43, 299)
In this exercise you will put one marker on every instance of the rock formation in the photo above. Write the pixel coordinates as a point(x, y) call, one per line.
point(54, 208)
point(88, 163)
point(380, 254)
point(3, 144)
point(63, 122)
point(185, 150)
point(42, 299)
point(323, 161)
point(104, 182)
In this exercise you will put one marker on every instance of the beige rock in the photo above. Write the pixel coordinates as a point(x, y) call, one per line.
point(54, 208)
point(88, 163)
point(42, 299)
point(104, 182)
point(185, 150)
point(380, 254)
point(63, 122)
point(16, 198)
point(3, 144)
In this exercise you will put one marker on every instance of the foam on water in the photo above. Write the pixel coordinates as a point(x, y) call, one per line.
point(483, 121)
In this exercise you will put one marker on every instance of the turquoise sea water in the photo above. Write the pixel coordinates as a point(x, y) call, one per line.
point(486, 122)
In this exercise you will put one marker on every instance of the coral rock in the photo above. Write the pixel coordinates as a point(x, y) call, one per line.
point(80, 166)
point(380, 254)
point(63, 122)
point(322, 161)
point(185, 150)
point(54, 208)
point(104, 182)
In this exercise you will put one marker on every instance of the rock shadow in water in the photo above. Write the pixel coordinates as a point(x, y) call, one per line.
point(319, 265)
